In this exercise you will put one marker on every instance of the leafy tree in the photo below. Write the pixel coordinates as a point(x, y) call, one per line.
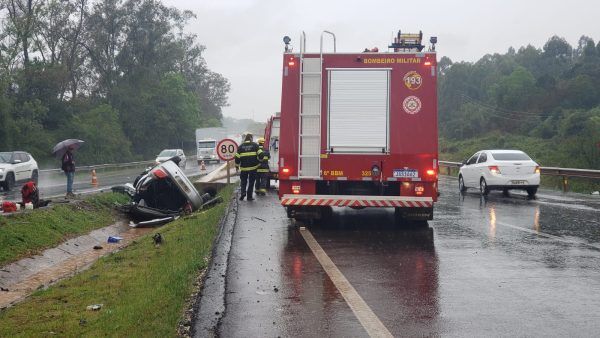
point(101, 129)
point(126, 67)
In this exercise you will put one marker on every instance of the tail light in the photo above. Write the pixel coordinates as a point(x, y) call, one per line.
point(494, 169)
point(159, 173)
point(537, 170)
point(296, 189)
point(430, 172)
point(419, 189)
point(286, 171)
point(291, 62)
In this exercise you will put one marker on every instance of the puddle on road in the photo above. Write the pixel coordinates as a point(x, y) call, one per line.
point(25, 276)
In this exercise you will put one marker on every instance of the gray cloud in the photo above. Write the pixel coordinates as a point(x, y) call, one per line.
point(243, 37)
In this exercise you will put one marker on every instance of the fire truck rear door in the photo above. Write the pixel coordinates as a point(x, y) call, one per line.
point(358, 110)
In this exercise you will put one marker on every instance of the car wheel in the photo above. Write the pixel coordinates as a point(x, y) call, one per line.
point(9, 182)
point(35, 177)
point(461, 184)
point(483, 187)
point(531, 192)
point(505, 192)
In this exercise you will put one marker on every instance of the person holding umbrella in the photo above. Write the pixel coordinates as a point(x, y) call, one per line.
point(68, 166)
point(65, 150)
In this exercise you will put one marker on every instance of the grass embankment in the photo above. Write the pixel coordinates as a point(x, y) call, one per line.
point(542, 151)
point(29, 233)
point(143, 288)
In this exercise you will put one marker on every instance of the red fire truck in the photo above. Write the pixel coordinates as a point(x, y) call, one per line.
point(272, 145)
point(359, 129)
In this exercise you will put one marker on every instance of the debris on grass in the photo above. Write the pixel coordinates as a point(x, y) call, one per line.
point(94, 307)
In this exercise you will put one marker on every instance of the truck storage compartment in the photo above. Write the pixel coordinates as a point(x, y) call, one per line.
point(358, 110)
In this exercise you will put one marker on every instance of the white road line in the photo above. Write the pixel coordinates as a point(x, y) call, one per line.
point(362, 311)
point(543, 234)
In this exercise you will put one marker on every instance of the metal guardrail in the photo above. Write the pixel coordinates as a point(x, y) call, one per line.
point(111, 165)
point(565, 173)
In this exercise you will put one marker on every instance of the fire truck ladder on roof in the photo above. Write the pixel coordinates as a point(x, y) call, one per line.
point(311, 78)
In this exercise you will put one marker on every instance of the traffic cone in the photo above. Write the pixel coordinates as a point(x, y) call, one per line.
point(202, 166)
point(94, 178)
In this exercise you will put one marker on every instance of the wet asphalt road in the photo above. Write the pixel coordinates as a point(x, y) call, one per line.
point(501, 266)
point(54, 184)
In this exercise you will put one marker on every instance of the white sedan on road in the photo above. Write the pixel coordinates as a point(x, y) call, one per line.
point(500, 170)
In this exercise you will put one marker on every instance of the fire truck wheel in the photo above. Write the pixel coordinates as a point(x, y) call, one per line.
point(398, 217)
point(326, 213)
point(288, 210)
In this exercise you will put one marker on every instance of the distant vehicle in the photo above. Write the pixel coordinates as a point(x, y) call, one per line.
point(500, 170)
point(272, 145)
point(359, 130)
point(207, 150)
point(206, 143)
point(170, 153)
point(17, 166)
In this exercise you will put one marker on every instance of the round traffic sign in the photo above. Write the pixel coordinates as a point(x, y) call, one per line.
point(226, 149)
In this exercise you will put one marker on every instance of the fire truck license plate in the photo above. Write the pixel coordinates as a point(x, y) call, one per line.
point(411, 173)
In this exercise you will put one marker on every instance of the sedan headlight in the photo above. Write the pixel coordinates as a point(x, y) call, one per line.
point(1, 170)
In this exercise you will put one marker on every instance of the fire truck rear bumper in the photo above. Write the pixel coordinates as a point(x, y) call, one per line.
point(357, 201)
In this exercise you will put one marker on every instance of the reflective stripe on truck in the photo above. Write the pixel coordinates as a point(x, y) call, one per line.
point(357, 201)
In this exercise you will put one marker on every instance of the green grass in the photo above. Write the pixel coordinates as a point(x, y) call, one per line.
point(143, 287)
point(31, 232)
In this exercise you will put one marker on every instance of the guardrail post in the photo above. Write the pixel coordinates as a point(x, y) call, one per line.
point(565, 183)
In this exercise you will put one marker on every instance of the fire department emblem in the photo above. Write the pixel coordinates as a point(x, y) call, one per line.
point(413, 80)
point(412, 105)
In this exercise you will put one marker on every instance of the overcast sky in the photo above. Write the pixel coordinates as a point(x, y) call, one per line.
point(244, 37)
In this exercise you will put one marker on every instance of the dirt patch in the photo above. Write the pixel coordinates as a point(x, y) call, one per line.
point(21, 278)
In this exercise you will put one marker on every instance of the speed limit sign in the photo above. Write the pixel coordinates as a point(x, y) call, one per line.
point(226, 149)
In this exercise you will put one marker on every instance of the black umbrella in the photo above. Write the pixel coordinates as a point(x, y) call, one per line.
point(61, 147)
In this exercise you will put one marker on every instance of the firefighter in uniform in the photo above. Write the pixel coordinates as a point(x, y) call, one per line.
point(247, 161)
point(262, 173)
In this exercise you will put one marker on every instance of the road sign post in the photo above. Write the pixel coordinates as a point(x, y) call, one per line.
point(226, 149)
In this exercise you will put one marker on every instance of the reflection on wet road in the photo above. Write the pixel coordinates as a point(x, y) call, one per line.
point(495, 266)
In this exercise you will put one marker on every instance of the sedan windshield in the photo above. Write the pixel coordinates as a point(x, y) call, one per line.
point(167, 153)
point(5, 157)
point(510, 157)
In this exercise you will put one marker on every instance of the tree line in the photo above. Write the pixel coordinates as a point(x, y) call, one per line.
point(122, 75)
point(548, 95)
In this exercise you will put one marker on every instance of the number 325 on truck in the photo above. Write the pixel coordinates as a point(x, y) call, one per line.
point(359, 130)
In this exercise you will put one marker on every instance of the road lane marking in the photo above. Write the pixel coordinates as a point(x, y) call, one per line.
point(362, 311)
point(543, 234)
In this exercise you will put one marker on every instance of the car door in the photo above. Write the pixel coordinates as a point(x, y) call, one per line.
point(20, 165)
point(480, 167)
point(468, 170)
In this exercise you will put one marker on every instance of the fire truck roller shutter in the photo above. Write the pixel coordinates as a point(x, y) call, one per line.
point(358, 110)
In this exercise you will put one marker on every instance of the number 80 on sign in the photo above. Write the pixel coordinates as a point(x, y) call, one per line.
point(226, 149)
